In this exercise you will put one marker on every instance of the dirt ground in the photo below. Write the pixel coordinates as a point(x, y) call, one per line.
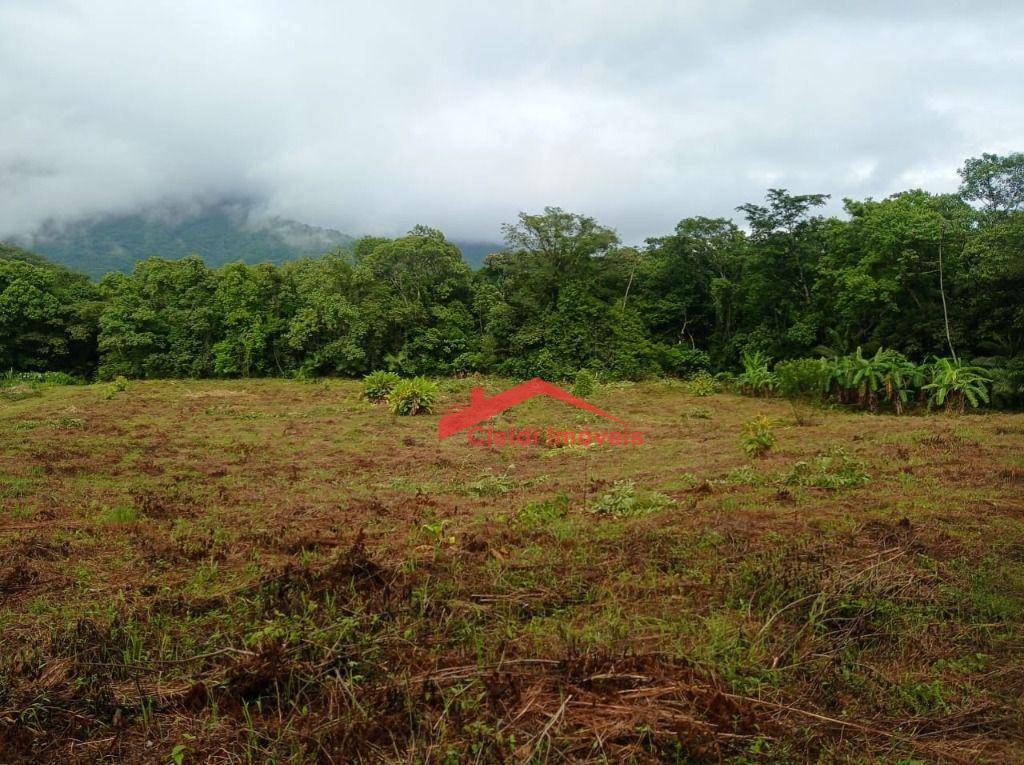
point(280, 571)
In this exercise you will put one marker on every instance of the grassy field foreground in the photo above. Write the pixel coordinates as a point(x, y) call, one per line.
point(254, 571)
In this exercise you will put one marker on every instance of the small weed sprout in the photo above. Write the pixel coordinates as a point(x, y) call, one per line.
point(537, 515)
point(491, 485)
point(622, 500)
point(757, 436)
point(122, 515)
point(833, 469)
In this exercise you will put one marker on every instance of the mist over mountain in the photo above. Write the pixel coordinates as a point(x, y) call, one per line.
point(219, 232)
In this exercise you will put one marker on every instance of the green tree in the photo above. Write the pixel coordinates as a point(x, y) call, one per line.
point(160, 321)
point(48, 316)
point(995, 181)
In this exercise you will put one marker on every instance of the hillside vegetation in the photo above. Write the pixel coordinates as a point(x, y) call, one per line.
point(919, 275)
point(219, 233)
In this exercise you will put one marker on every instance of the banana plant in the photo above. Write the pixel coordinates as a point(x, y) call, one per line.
point(867, 378)
point(887, 376)
point(756, 378)
point(955, 384)
point(900, 377)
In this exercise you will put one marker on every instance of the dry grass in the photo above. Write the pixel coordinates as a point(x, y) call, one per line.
point(268, 570)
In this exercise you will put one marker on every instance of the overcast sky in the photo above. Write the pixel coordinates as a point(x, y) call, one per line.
point(375, 116)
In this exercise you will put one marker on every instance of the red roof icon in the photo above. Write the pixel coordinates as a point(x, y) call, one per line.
point(481, 407)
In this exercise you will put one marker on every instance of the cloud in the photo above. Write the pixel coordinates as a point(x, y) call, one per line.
point(375, 117)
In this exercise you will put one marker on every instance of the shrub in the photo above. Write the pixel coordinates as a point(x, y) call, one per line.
point(806, 379)
point(44, 378)
point(377, 386)
point(415, 396)
point(757, 436)
point(118, 385)
point(584, 384)
point(682, 361)
point(1007, 379)
point(703, 384)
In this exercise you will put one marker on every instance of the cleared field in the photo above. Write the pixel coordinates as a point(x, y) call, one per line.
point(259, 571)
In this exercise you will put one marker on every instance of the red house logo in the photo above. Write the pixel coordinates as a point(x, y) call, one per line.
point(481, 408)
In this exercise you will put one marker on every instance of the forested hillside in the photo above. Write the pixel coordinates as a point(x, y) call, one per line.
point(923, 274)
point(219, 233)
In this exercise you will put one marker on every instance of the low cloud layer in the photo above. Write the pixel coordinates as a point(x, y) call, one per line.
point(375, 117)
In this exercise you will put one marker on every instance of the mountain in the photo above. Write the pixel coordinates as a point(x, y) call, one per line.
point(219, 233)
point(12, 252)
point(474, 252)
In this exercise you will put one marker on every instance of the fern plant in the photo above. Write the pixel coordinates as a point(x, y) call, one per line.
point(955, 384)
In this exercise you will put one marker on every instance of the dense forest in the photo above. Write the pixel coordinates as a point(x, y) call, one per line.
point(919, 273)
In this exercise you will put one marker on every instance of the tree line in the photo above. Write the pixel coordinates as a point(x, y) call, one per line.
point(919, 273)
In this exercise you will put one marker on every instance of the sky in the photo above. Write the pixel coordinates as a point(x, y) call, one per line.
point(373, 117)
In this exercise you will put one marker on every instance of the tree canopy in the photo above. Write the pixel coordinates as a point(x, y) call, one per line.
point(563, 295)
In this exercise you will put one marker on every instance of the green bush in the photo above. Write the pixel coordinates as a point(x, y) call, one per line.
point(11, 378)
point(377, 386)
point(703, 384)
point(757, 436)
point(802, 378)
point(118, 385)
point(1007, 374)
point(682, 361)
point(584, 384)
point(415, 396)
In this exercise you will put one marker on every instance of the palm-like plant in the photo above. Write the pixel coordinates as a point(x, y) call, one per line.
point(867, 378)
point(955, 384)
point(899, 377)
point(887, 376)
point(756, 378)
